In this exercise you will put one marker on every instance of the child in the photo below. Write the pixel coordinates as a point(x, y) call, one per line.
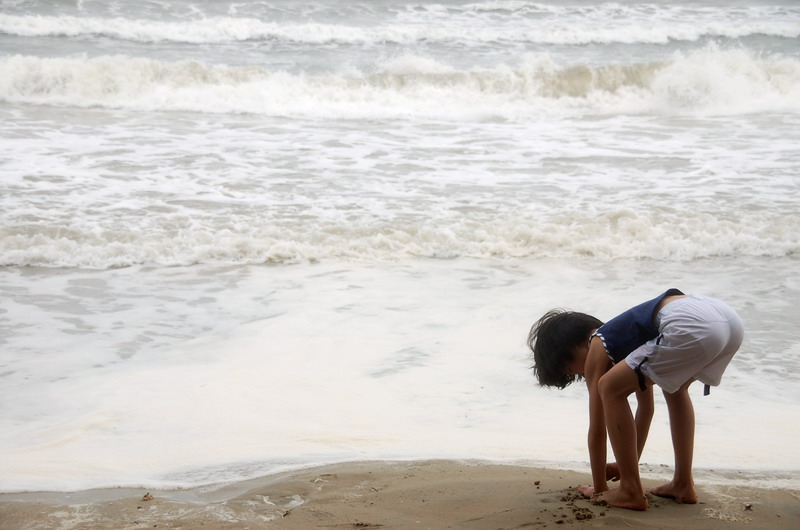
point(671, 340)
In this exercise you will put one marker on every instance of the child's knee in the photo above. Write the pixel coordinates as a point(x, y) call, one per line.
point(613, 385)
point(605, 387)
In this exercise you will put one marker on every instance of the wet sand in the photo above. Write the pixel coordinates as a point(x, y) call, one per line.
point(428, 494)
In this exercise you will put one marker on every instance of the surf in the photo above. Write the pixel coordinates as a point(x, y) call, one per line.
point(710, 81)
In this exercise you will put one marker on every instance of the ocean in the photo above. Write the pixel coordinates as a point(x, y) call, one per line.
point(243, 237)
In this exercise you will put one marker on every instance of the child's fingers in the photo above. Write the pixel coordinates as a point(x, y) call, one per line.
point(586, 491)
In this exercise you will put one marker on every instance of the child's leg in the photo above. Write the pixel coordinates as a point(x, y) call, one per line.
point(681, 422)
point(615, 387)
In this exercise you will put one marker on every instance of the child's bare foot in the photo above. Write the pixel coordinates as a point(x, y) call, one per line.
point(622, 499)
point(682, 494)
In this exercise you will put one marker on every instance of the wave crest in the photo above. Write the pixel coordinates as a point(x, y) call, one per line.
point(577, 29)
point(724, 81)
point(619, 234)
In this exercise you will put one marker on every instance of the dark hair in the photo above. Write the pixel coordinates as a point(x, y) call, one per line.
point(552, 339)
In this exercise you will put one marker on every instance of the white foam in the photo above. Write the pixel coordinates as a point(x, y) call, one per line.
point(621, 233)
point(572, 28)
point(716, 81)
point(710, 81)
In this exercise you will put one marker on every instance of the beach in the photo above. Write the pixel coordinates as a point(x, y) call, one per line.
point(275, 262)
point(425, 494)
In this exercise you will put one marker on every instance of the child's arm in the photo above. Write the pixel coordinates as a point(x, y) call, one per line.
point(596, 365)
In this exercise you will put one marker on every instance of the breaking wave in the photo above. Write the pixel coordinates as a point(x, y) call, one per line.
point(619, 234)
point(706, 81)
point(575, 30)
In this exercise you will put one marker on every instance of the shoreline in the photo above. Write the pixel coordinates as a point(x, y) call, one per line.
point(405, 494)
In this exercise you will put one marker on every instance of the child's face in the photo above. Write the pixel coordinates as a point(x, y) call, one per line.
point(575, 366)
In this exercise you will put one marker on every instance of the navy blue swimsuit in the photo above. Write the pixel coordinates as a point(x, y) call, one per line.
point(626, 332)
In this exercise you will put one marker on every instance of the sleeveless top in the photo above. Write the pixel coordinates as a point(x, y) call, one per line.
point(626, 332)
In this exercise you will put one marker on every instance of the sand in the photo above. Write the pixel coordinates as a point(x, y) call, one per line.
point(429, 494)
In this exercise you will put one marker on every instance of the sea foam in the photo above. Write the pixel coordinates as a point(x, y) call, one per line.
point(711, 81)
point(620, 233)
point(577, 30)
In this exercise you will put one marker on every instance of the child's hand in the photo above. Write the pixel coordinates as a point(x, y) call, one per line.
point(612, 472)
point(586, 491)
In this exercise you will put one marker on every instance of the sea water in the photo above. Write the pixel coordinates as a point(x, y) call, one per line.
point(243, 237)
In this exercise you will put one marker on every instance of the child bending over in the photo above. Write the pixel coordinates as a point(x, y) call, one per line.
point(671, 340)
